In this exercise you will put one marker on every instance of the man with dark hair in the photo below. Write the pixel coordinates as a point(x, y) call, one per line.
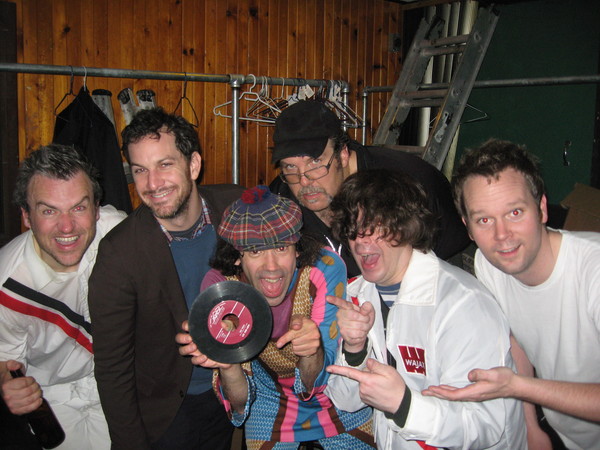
point(278, 395)
point(547, 282)
point(44, 320)
point(414, 320)
point(315, 155)
point(148, 273)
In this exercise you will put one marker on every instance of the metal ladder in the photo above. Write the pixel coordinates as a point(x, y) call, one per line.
point(410, 92)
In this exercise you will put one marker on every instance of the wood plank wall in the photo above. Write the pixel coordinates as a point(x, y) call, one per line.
point(321, 39)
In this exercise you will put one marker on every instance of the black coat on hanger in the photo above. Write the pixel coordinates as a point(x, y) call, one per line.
point(84, 125)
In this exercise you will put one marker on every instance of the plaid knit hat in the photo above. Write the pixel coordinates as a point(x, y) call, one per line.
point(261, 220)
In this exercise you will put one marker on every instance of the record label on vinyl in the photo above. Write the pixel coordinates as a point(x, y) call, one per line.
point(230, 322)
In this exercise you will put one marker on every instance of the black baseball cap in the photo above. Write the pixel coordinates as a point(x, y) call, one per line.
point(303, 130)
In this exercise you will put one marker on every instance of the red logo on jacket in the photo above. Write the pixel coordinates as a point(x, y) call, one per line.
point(414, 359)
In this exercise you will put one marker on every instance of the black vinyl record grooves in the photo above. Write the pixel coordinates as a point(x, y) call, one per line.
point(246, 311)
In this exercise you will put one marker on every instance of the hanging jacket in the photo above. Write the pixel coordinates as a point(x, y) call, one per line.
point(84, 125)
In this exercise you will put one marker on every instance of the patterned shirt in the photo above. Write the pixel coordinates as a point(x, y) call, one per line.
point(278, 407)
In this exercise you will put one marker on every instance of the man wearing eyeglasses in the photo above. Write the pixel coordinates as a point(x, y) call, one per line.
point(315, 155)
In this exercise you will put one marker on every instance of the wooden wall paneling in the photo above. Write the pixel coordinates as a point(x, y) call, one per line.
point(156, 49)
point(99, 22)
point(170, 24)
point(329, 28)
point(315, 38)
point(336, 64)
point(171, 28)
point(44, 85)
point(60, 32)
point(220, 160)
point(207, 17)
point(278, 16)
point(193, 36)
point(329, 39)
point(306, 38)
point(119, 22)
point(121, 52)
point(141, 44)
point(360, 59)
point(294, 63)
point(353, 69)
point(277, 66)
point(251, 61)
point(231, 64)
point(215, 94)
point(68, 32)
point(10, 223)
point(369, 50)
point(265, 65)
point(301, 48)
point(86, 29)
point(22, 144)
point(379, 67)
point(87, 22)
point(250, 50)
point(344, 48)
point(392, 65)
point(25, 54)
point(118, 50)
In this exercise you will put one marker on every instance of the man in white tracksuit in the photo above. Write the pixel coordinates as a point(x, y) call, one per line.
point(414, 321)
point(45, 328)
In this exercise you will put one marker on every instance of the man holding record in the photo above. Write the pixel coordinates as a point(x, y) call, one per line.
point(278, 395)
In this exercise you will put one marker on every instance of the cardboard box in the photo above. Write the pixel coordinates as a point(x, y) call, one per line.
point(584, 209)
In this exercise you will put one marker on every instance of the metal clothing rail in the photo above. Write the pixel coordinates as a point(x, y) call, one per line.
point(516, 82)
point(234, 80)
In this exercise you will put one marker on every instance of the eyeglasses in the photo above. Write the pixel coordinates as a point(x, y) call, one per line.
point(310, 174)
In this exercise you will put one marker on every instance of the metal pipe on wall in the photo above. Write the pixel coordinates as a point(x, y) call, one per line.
point(236, 84)
point(49, 69)
point(515, 82)
point(365, 108)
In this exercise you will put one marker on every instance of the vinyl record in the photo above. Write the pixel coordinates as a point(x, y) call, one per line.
point(246, 311)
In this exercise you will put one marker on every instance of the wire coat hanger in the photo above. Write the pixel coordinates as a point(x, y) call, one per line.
point(185, 97)
point(248, 95)
point(68, 93)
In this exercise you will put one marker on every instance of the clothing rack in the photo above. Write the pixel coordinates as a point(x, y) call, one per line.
point(236, 81)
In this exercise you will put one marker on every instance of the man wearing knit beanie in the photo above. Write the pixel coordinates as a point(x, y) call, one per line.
point(278, 395)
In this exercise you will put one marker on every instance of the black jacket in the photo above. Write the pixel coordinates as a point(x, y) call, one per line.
point(84, 125)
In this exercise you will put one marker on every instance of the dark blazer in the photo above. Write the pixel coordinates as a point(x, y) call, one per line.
point(137, 306)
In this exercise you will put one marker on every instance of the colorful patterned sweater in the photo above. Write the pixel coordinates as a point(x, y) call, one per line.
point(278, 406)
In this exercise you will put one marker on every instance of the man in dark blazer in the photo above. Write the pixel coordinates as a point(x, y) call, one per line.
point(147, 274)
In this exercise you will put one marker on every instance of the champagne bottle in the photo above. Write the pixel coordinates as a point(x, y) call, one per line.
point(43, 422)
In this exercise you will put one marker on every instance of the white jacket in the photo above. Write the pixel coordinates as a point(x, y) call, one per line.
point(445, 315)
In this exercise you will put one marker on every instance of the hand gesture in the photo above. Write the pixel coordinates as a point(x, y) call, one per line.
point(354, 322)
point(189, 348)
point(22, 395)
point(381, 386)
point(303, 334)
point(487, 385)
